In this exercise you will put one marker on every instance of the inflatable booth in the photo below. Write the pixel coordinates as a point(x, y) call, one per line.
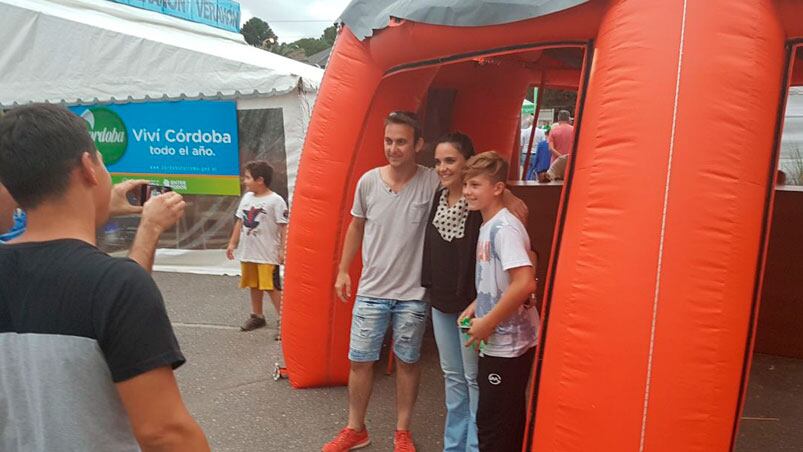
point(657, 256)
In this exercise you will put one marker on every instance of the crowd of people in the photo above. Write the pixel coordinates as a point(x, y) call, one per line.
point(86, 332)
point(545, 159)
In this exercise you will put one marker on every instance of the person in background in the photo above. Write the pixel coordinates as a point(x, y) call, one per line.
point(88, 350)
point(556, 171)
point(561, 136)
point(524, 138)
point(260, 231)
point(539, 162)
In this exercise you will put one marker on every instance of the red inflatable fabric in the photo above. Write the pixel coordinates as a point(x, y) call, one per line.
point(658, 252)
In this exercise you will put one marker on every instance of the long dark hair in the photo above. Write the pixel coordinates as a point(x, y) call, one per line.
point(460, 141)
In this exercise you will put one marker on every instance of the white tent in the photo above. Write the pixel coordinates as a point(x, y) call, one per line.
point(90, 51)
point(791, 158)
point(96, 51)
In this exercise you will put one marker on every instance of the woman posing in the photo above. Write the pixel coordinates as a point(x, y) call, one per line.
point(448, 271)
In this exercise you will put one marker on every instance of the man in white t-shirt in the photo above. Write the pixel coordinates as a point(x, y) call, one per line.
point(524, 139)
point(260, 233)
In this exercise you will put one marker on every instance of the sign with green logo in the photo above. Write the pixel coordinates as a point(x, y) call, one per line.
point(190, 146)
point(109, 132)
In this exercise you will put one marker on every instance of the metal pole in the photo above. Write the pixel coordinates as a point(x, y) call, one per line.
point(536, 112)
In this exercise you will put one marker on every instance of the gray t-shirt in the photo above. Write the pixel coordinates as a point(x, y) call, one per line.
point(392, 245)
point(73, 322)
point(502, 245)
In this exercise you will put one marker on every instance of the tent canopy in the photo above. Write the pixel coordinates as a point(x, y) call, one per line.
point(89, 51)
point(364, 16)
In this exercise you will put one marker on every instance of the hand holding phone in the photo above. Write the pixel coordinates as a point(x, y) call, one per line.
point(148, 191)
point(163, 211)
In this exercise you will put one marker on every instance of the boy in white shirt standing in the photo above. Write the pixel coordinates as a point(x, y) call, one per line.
point(260, 231)
point(502, 322)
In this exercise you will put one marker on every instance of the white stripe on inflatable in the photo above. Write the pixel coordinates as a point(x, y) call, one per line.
point(663, 234)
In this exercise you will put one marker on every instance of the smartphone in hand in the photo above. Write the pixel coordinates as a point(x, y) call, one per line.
point(148, 191)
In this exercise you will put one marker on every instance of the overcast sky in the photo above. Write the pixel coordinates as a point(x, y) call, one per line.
point(294, 19)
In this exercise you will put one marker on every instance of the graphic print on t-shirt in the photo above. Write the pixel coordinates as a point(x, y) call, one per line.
point(250, 219)
point(502, 245)
point(260, 235)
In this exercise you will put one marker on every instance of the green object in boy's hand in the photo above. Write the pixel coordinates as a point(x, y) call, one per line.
point(465, 323)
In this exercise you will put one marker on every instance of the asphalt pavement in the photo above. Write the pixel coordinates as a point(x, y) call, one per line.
point(228, 386)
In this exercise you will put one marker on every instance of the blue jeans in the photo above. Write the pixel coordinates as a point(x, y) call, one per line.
point(459, 365)
point(369, 322)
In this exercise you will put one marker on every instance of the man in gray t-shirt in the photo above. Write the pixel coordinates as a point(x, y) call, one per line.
point(391, 205)
point(394, 224)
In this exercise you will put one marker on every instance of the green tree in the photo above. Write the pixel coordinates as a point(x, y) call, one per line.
point(311, 46)
point(289, 50)
point(329, 35)
point(256, 32)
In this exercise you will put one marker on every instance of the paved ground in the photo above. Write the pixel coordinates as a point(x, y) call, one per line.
point(227, 382)
point(228, 387)
point(773, 414)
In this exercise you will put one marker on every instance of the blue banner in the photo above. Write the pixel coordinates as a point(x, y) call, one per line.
point(223, 14)
point(188, 145)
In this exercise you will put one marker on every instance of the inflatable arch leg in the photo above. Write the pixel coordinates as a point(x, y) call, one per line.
point(661, 235)
point(348, 91)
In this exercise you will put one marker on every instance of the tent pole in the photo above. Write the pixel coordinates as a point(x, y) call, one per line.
point(536, 112)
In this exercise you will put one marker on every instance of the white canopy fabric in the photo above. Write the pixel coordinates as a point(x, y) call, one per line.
point(791, 158)
point(90, 51)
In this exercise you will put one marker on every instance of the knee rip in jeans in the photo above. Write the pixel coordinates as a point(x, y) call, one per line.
point(406, 331)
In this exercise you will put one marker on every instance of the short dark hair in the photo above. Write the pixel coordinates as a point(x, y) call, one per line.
point(40, 145)
point(260, 168)
point(460, 141)
point(564, 115)
point(406, 118)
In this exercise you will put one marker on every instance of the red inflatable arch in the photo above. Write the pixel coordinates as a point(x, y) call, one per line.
point(657, 257)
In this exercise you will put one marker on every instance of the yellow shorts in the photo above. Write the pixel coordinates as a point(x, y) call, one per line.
point(260, 276)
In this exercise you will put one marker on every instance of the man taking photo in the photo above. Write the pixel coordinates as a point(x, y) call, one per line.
point(87, 349)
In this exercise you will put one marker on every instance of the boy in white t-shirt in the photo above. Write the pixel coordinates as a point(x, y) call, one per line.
point(260, 231)
point(502, 321)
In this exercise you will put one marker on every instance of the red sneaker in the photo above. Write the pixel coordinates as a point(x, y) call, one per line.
point(403, 441)
point(348, 439)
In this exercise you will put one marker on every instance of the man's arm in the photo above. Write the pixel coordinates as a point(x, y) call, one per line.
point(158, 417)
point(521, 286)
point(159, 214)
point(235, 239)
point(354, 236)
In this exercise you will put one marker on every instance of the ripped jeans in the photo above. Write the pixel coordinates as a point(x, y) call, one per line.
point(369, 322)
